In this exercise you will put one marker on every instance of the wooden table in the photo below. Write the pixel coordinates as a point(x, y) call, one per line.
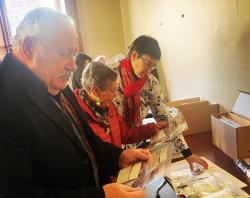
point(201, 144)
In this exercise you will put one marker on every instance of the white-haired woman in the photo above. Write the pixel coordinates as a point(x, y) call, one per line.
point(96, 99)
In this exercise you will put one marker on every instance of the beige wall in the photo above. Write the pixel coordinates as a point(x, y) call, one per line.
point(205, 44)
point(101, 27)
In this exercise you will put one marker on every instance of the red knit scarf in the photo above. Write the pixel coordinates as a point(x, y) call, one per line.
point(131, 88)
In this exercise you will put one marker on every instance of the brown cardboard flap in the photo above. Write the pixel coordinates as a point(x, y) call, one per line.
point(193, 104)
point(197, 113)
point(198, 118)
point(242, 105)
point(180, 102)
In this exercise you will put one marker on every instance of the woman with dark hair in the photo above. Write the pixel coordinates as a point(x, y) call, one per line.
point(81, 61)
point(96, 99)
point(139, 91)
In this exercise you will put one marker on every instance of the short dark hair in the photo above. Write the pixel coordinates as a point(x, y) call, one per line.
point(98, 74)
point(81, 58)
point(145, 45)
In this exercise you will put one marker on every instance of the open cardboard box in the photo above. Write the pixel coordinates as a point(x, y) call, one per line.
point(182, 102)
point(197, 114)
point(231, 131)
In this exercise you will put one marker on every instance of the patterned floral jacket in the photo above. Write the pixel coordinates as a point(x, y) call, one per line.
point(152, 98)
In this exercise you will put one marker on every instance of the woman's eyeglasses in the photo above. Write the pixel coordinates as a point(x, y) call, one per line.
point(148, 63)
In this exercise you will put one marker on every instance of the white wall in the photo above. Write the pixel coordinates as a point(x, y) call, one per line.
point(205, 44)
point(101, 27)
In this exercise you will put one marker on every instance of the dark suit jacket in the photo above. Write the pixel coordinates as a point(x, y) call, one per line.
point(39, 154)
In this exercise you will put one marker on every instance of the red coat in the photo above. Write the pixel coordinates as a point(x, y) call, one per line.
point(121, 133)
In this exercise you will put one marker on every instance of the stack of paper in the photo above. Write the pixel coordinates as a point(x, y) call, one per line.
point(230, 121)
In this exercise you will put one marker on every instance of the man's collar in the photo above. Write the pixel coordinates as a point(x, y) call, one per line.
point(21, 73)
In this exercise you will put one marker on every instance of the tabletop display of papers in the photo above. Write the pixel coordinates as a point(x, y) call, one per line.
point(211, 183)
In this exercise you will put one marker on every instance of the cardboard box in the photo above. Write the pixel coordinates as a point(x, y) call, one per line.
point(182, 102)
point(231, 131)
point(197, 114)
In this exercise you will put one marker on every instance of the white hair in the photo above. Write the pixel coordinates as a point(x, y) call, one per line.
point(98, 74)
point(101, 58)
point(35, 22)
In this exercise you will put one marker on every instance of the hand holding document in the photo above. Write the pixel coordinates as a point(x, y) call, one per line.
point(161, 148)
point(130, 173)
point(177, 123)
point(130, 156)
point(161, 125)
point(141, 173)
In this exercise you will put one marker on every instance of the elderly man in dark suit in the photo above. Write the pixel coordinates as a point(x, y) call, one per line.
point(46, 147)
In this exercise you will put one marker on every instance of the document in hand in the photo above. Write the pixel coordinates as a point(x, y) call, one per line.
point(139, 174)
point(177, 123)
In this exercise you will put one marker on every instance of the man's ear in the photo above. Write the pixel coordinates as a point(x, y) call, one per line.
point(28, 47)
point(134, 55)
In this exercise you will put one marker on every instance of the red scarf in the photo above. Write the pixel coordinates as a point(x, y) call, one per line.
point(131, 88)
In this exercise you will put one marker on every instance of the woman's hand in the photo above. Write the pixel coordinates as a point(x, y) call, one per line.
point(194, 158)
point(161, 125)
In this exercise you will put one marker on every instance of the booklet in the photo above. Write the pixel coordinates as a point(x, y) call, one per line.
point(142, 172)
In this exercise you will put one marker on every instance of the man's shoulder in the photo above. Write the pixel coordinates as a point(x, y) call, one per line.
point(8, 84)
point(14, 72)
point(15, 82)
